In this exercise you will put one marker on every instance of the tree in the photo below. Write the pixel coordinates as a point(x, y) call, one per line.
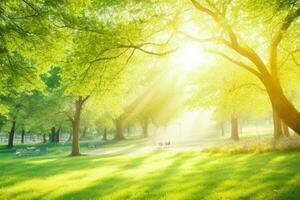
point(235, 96)
point(15, 104)
point(101, 49)
point(25, 47)
point(267, 73)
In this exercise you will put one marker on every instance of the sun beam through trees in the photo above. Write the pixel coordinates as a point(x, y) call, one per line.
point(149, 99)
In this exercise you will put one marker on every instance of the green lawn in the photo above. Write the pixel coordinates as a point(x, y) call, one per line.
point(160, 174)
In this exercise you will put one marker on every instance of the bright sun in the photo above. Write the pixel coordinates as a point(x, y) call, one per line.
point(188, 57)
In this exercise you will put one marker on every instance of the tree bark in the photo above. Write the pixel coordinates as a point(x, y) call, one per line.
point(285, 129)
point(22, 136)
point(283, 107)
point(277, 125)
point(119, 129)
point(76, 127)
point(11, 135)
point(234, 128)
point(104, 138)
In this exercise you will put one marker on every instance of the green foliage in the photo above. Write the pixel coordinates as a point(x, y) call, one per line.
point(229, 91)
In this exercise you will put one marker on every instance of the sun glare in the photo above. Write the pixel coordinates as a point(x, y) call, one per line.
point(189, 57)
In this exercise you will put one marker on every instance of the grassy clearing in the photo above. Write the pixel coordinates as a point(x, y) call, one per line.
point(161, 174)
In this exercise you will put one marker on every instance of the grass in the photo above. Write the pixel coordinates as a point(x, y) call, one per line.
point(256, 145)
point(160, 174)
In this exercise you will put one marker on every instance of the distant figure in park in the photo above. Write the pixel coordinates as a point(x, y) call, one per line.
point(164, 144)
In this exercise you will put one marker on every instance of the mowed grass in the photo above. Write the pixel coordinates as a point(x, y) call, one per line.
point(160, 174)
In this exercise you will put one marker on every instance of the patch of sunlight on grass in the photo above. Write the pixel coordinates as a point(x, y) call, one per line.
point(41, 161)
point(278, 159)
point(150, 165)
point(153, 175)
point(62, 183)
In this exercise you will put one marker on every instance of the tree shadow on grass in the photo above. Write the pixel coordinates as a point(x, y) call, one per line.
point(242, 179)
point(208, 176)
point(25, 170)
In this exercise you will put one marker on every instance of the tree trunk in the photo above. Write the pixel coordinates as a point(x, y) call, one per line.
point(222, 128)
point(104, 138)
point(284, 108)
point(56, 139)
point(76, 127)
point(52, 135)
point(44, 138)
point(277, 125)
point(22, 136)
point(234, 128)
point(119, 129)
point(285, 129)
point(11, 135)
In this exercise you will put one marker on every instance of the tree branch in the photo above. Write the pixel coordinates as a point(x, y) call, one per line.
point(278, 38)
point(294, 58)
point(250, 85)
point(241, 64)
point(250, 54)
point(202, 40)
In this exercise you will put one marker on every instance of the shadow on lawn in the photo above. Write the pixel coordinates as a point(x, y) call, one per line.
point(254, 177)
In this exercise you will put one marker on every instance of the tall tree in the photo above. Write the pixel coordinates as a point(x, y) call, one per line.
point(284, 13)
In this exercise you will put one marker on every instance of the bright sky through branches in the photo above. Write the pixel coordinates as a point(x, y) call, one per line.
point(188, 57)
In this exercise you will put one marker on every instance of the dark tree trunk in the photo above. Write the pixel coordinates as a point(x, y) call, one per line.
point(285, 129)
point(104, 138)
point(119, 129)
point(76, 127)
point(277, 126)
point(22, 136)
point(52, 135)
point(222, 128)
point(44, 138)
point(56, 139)
point(234, 128)
point(12, 135)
